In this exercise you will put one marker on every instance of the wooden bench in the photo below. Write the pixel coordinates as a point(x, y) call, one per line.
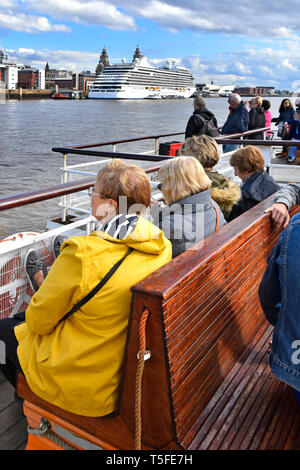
point(207, 384)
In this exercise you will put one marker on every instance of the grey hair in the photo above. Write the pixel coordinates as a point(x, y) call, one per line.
point(199, 101)
point(235, 97)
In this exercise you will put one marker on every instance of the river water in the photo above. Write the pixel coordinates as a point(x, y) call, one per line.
point(31, 128)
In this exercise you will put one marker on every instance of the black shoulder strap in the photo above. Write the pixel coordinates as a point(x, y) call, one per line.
point(96, 288)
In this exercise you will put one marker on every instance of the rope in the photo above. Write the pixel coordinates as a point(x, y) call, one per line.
point(44, 430)
point(59, 441)
point(138, 379)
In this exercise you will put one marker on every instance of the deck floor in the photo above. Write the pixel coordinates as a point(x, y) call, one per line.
point(13, 424)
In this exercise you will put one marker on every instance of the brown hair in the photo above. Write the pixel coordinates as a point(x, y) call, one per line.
point(182, 177)
point(248, 159)
point(118, 178)
point(202, 147)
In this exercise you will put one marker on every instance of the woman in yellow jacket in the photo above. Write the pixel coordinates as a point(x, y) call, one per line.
point(76, 363)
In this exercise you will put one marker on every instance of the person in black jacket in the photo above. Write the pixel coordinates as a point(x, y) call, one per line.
point(257, 118)
point(196, 125)
point(248, 163)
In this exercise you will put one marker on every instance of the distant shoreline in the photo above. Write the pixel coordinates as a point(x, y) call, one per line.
point(46, 94)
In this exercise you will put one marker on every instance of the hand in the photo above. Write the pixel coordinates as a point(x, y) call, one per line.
point(279, 215)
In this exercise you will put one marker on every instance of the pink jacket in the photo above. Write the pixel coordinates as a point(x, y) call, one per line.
point(268, 118)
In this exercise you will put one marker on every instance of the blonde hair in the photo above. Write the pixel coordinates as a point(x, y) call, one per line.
point(202, 147)
point(258, 101)
point(248, 159)
point(182, 177)
point(118, 178)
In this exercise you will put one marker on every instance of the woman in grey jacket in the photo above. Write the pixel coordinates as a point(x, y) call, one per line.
point(190, 215)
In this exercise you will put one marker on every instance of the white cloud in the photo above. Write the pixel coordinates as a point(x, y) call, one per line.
point(30, 23)
point(230, 17)
point(60, 59)
point(94, 12)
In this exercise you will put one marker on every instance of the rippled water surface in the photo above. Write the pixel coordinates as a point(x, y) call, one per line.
point(31, 128)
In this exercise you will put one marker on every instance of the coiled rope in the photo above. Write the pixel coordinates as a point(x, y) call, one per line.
point(139, 377)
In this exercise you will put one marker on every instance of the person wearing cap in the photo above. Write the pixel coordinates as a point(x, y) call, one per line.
point(196, 123)
point(237, 120)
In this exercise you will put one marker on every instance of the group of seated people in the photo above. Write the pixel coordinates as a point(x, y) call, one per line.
point(71, 345)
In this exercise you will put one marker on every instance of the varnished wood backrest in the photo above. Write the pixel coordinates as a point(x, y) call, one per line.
point(204, 312)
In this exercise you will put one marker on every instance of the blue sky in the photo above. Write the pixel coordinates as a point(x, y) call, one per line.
point(245, 43)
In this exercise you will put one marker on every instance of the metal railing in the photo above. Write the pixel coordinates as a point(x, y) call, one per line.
point(75, 205)
point(66, 188)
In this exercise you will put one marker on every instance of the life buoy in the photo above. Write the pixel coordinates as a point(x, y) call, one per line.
point(15, 289)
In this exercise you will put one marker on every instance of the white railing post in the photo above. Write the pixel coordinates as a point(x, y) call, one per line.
point(156, 145)
point(64, 198)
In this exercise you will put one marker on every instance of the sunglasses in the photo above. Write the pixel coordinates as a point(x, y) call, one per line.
point(93, 193)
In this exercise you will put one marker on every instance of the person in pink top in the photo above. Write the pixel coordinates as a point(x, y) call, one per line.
point(268, 117)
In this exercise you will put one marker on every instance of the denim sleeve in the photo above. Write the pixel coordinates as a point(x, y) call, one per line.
point(269, 290)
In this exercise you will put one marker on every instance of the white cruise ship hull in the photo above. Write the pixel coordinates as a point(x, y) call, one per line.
point(130, 93)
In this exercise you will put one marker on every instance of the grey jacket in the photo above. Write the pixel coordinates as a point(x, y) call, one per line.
point(289, 195)
point(188, 220)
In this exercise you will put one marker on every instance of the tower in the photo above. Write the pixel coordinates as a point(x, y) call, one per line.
point(137, 54)
point(47, 69)
point(103, 61)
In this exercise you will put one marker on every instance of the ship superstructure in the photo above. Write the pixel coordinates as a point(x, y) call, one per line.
point(139, 80)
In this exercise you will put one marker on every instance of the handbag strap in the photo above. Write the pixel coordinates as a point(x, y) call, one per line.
point(95, 289)
point(217, 215)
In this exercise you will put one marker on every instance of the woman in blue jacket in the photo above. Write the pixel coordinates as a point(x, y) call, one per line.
point(286, 113)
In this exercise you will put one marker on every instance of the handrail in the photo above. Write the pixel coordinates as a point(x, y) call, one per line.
point(76, 149)
point(110, 154)
point(62, 189)
point(30, 197)
point(124, 141)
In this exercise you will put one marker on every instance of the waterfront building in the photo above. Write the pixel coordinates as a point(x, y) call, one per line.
point(83, 80)
point(61, 78)
point(30, 78)
point(258, 90)
point(8, 73)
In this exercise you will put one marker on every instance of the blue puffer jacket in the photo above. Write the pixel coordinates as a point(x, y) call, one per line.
point(279, 294)
point(285, 115)
point(237, 121)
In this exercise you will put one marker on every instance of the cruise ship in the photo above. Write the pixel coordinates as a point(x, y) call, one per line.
point(139, 80)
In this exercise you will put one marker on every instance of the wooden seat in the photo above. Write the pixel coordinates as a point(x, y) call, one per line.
point(207, 384)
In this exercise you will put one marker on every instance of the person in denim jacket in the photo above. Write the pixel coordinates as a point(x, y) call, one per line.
point(279, 294)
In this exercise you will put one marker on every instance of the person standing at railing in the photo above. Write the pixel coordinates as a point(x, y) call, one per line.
point(257, 118)
point(266, 105)
point(237, 120)
point(197, 124)
point(286, 113)
point(293, 132)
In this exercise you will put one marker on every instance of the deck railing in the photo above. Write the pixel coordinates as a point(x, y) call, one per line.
point(74, 205)
point(66, 188)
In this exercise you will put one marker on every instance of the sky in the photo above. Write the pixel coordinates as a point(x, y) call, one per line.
point(246, 43)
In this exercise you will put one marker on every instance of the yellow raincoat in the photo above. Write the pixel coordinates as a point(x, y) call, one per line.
point(76, 365)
